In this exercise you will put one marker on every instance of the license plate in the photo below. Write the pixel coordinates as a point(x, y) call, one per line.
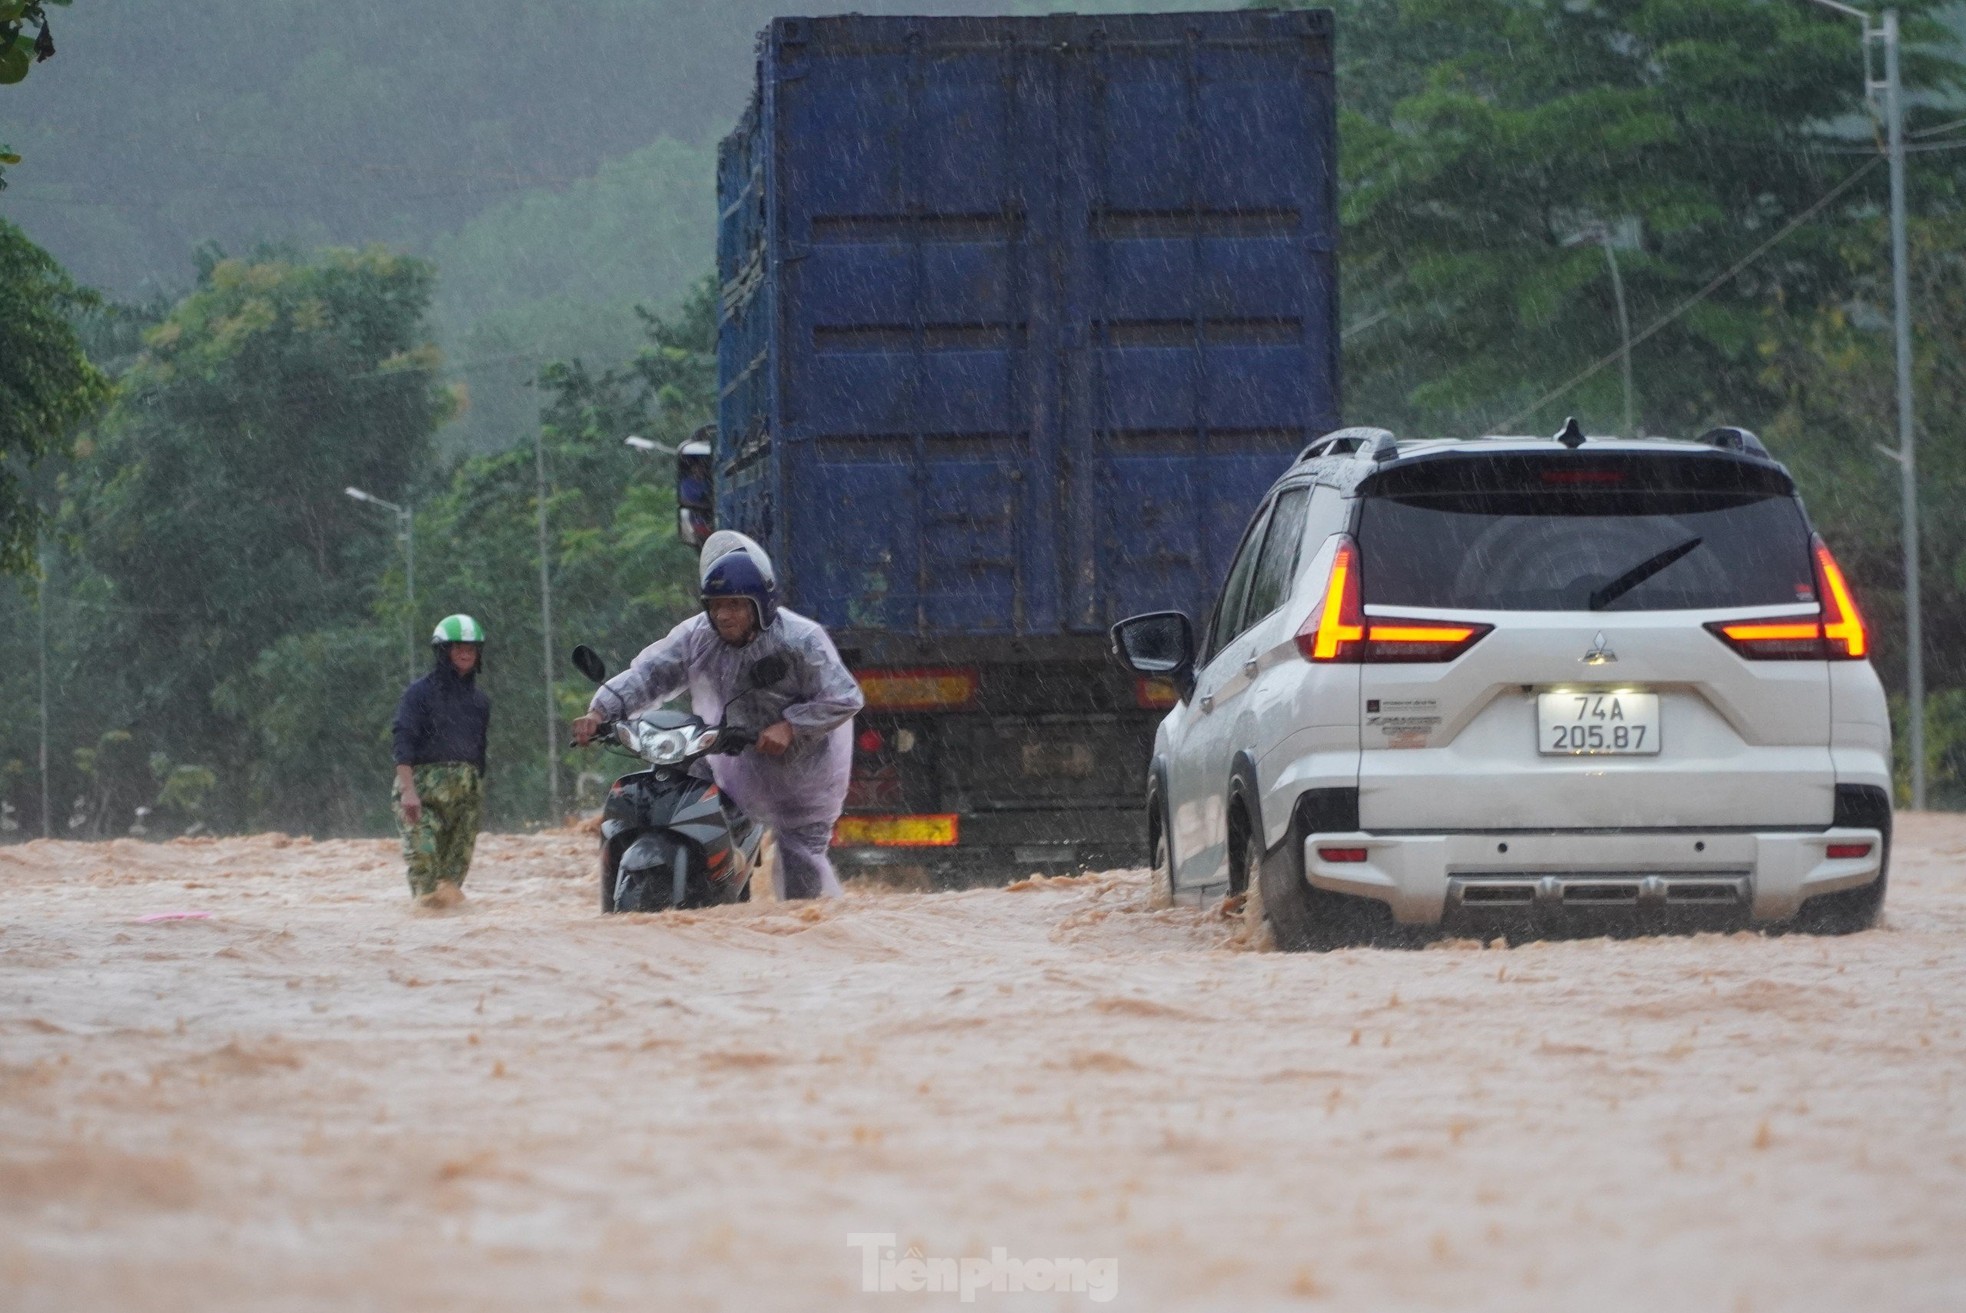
point(1597, 724)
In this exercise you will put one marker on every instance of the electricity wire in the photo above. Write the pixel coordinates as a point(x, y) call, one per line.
point(1720, 280)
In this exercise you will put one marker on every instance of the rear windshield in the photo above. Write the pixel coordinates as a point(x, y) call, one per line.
point(1570, 532)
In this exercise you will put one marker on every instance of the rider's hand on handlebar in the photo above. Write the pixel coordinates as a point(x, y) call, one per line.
point(585, 728)
point(775, 739)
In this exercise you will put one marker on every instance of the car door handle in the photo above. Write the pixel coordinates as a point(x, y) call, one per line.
point(1249, 667)
point(1207, 702)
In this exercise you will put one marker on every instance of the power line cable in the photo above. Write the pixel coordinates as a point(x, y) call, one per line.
point(1715, 285)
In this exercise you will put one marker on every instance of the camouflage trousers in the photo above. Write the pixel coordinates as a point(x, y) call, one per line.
point(438, 846)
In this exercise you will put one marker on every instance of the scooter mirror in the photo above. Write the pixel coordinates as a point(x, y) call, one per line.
point(588, 662)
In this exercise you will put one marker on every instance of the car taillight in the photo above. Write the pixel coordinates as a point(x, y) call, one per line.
point(1339, 629)
point(1843, 627)
point(1154, 693)
point(1838, 634)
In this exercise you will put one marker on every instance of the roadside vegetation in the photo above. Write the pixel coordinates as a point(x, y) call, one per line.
point(225, 629)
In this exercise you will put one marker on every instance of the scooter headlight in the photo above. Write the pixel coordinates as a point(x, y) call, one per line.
point(665, 747)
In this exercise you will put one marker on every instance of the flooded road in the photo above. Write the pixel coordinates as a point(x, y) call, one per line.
point(312, 1097)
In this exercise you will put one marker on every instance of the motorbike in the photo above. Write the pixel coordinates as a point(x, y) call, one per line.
point(668, 838)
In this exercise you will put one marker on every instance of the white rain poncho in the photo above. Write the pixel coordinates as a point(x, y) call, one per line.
point(799, 795)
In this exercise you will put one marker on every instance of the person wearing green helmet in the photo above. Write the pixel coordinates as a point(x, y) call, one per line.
point(441, 727)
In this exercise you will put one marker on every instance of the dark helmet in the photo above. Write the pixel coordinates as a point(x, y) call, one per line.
point(734, 565)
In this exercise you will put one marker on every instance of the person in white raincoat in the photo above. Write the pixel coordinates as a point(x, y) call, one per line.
point(750, 663)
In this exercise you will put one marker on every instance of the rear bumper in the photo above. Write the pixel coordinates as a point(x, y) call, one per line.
point(1472, 878)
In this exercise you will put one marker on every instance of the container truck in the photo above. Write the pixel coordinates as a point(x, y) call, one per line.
point(1019, 317)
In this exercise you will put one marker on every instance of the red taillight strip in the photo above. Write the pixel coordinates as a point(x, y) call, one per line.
point(1340, 622)
point(1412, 633)
point(1837, 634)
point(1339, 629)
point(1771, 633)
point(1841, 622)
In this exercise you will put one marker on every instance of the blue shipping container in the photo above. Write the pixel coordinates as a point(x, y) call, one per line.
point(1020, 316)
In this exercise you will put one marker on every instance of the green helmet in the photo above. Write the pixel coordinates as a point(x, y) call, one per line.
point(457, 629)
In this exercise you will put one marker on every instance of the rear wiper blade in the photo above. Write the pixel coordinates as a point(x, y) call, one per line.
point(1639, 573)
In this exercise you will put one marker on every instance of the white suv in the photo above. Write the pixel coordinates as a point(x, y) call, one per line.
point(1524, 686)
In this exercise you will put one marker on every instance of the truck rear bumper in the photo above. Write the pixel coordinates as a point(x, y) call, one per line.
point(1478, 878)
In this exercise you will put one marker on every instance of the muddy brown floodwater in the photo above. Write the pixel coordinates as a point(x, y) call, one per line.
point(316, 1098)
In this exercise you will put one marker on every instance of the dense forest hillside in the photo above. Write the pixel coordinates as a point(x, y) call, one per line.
point(555, 162)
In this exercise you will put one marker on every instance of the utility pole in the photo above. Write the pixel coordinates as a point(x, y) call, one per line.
point(546, 637)
point(1885, 32)
point(1907, 440)
point(1624, 328)
point(41, 606)
point(1601, 234)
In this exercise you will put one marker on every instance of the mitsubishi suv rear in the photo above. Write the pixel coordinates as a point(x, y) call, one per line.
point(1524, 686)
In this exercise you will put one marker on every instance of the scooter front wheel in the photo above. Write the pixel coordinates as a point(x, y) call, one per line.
point(610, 860)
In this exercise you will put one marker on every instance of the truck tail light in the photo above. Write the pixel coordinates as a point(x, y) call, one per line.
point(1837, 634)
point(1341, 854)
point(1340, 631)
point(940, 831)
point(1846, 850)
point(918, 689)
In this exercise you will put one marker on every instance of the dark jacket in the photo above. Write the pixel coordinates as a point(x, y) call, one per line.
point(443, 717)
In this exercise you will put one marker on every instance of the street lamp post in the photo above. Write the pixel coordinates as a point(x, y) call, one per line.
point(405, 526)
point(41, 607)
point(546, 638)
point(1601, 234)
point(1884, 32)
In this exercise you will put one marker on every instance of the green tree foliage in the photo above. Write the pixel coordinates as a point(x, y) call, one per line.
point(1833, 371)
point(620, 578)
point(47, 385)
point(210, 504)
point(318, 702)
point(26, 39)
point(1473, 180)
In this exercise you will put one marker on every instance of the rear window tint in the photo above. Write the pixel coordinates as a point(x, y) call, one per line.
point(1568, 532)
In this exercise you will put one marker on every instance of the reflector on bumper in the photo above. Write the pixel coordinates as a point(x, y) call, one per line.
point(896, 831)
point(925, 689)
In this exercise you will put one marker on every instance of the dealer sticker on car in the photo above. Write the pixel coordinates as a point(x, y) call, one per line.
point(1597, 724)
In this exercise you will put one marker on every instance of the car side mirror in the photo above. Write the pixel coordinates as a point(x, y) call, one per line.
point(696, 514)
point(588, 662)
point(1160, 644)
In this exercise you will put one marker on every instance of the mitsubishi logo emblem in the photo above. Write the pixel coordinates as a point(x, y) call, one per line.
point(1600, 653)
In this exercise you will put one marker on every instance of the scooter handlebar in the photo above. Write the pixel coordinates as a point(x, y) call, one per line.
point(605, 730)
point(731, 740)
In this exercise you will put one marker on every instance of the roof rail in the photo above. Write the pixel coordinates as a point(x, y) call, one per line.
point(1375, 444)
point(1729, 438)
